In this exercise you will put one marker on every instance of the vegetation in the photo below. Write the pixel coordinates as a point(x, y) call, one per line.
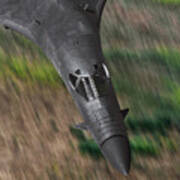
point(168, 2)
point(36, 71)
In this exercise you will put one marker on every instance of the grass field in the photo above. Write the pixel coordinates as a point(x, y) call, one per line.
point(168, 2)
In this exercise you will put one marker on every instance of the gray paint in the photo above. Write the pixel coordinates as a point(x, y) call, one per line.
point(68, 33)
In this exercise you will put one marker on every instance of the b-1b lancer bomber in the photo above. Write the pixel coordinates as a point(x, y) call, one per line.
point(68, 32)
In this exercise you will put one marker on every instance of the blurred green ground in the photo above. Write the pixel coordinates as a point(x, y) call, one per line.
point(141, 43)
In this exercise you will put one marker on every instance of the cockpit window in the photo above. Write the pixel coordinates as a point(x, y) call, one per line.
point(73, 80)
point(101, 79)
point(91, 86)
point(106, 71)
point(102, 70)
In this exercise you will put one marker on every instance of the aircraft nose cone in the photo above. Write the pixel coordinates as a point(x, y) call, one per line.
point(117, 151)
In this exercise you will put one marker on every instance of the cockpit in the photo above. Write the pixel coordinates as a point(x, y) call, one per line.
point(91, 86)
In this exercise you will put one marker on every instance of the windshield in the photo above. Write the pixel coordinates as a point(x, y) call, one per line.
point(91, 86)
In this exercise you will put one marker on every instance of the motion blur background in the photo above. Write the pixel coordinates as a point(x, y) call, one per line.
point(141, 42)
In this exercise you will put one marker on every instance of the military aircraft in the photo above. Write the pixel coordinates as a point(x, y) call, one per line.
point(68, 32)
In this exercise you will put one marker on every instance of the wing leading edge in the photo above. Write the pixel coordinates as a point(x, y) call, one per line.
point(23, 15)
